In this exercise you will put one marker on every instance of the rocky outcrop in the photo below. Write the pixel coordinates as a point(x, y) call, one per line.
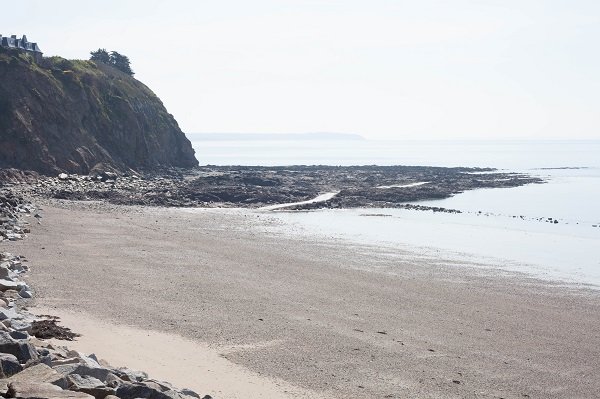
point(79, 116)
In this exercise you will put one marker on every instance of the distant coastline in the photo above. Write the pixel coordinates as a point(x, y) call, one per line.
point(272, 136)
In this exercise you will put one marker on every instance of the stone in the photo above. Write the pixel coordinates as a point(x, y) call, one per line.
point(19, 334)
point(189, 392)
point(33, 390)
point(24, 293)
point(21, 325)
point(69, 360)
point(130, 375)
point(89, 385)
point(9, 285)
point(23, 350)
point(63, 176)
point(40, 373)
point(113, 381)
point(8, 314)
point(9, 365)
point(4, 273)
point(99, 372)
point(133, 390)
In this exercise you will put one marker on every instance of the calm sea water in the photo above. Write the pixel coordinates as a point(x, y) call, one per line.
point(507, 232)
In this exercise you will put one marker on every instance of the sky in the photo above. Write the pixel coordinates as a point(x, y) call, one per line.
point(421, 69)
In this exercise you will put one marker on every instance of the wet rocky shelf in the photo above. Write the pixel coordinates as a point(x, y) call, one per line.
point(258, 186)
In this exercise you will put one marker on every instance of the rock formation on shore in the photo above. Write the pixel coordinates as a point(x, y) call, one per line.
point(76, 116)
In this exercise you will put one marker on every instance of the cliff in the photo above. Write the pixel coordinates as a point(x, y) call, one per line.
point(73, 116)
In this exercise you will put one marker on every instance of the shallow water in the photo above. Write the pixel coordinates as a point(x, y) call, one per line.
point(512, 231)
point(562, 252)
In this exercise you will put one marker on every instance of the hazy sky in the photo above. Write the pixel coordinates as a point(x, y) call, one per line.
point(393, 69)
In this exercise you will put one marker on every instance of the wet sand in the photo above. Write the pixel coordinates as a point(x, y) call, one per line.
point(339, 320)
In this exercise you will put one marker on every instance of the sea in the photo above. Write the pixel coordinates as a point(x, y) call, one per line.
point(512, 230)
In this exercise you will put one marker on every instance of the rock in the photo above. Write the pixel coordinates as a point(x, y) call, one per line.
point(133, 390)
point(70, 360)
point(113, 381)
point(63, 176)
point(9, 285)
point(19, 335)
point(89, 385)
point(4, 273)
point(100, 373)
point(40, 373)
point(9, 365)
point(24, 293)
point(130, 375)
point(10, 313)
point(23, 350)
point(189, 392)
point(33, 390)
point(21, 325)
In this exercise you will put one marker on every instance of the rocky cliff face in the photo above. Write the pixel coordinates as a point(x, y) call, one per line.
point(77, 116)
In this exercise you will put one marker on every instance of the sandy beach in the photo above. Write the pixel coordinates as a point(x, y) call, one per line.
point(294, 317)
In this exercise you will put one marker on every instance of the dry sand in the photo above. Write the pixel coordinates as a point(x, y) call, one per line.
point(338, 320)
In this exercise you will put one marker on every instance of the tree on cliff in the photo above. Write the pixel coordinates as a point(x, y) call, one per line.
point(100, 55)
point(119, 61)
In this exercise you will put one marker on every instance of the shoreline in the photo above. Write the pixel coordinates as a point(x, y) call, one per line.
point(241, 279)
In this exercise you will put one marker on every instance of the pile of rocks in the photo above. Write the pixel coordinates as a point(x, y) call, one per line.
point(12, 206)
point(33, 368)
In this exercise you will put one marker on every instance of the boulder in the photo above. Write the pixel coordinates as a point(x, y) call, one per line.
point(40, 373)
point(23, 350)
point(89, 385)
point(130, 375)
point(133, 390)
point(9, 285)
point(189, 392)
point(82, 369)
point(19, 335)
point(8, 313)
point(9, 365)
point(37, 390)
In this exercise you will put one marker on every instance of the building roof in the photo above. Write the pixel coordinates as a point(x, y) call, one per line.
point(21, 44)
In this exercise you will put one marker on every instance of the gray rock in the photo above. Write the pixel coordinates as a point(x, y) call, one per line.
point(19, 335)
point(130, 375)
point(113, 381)
point(21, 325)
point(189, 392)
point(9, 313)
point(82, 369)
point(33, 390)
point(133, 390)
point(9, 285)
point(89, 385)
point(25, 293)
point(40, 373)
point(9, 365)
point(23, 350)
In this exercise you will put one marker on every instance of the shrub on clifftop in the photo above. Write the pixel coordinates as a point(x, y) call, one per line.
point(119, 61)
